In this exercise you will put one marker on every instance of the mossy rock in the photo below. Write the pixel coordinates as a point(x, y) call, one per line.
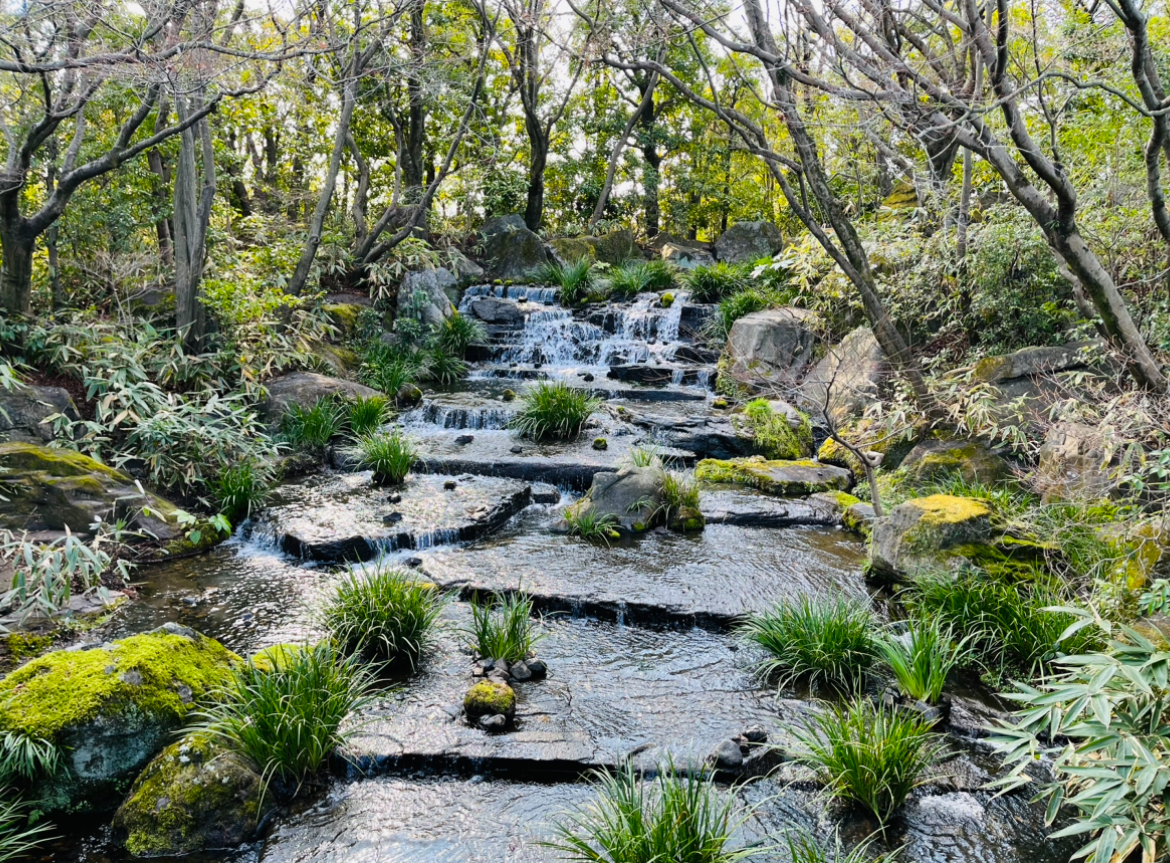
point(1139, 550)
point(276, 656)
point(687, 520)
point(945, 532)
point(870, 436)
point(195, 795)
point(344, 316)
point(667, 300)
point(490, 698)
point(600, 443)
point(778, 430)
point(109, 709)
point(784, 478)
point(572, 249)
point(937, 459)
point(508, 396)
point(340, 361)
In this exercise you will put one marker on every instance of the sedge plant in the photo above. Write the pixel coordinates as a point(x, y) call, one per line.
point(390, 456)
point(922, 657)
point(575, 279)
point(241, 489)
point(367, 415)
point(503, 628)
point(553, 410)
point(315, 427)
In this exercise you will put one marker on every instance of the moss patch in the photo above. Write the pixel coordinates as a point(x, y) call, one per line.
point(490, 698)
point(939, 509)
point(775, 435)
point(785, 478)
point(55, 462)
point(271, 658)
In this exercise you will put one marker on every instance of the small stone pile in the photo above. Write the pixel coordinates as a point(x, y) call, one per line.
point(491, 702)
point(730, 754)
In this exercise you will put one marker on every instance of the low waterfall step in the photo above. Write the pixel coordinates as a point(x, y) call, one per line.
point(336, 518)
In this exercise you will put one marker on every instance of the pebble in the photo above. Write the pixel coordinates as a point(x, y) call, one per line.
point(516, 450)
point(537, 668)
point(495, 722)
point(589, 379)
point(395, 498)
point(464, 439)
point(521, 671)
point(726, 756)
point(450, 484)
point(756, 734)
point(414, 562)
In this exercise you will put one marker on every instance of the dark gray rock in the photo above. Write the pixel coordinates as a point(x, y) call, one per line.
point(495, 722)
point(756, 734)
point(306, 389)
point(705, 436)
point(772, 347)
point(497, 311)
point(511, 251)
point(23, 412)
point(726, 756)
point(520, 671)
point(755, 509)
point(537, 668)
point(686, 257)
point(748, 242)
point(464, 439)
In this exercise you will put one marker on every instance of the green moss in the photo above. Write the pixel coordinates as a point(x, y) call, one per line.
point(573, 249)
point(344, 315)
point(773, 432)
point(688, 520)
point(55, 462)
point(725, 382)
point(667, 300)
point(490, 698)
point(1135, 551)
point(992, 369)
point(719, 403)
point(600, 443)
point(783, 477)
point(940, 509)
point(153, 674)
point(271, 658)
point(854, 519)
point(508, 395)
point(844, 499)
point(24, 645)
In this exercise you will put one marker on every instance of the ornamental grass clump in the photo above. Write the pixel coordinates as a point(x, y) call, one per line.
point(710, 284)
point(288, 720)
point(814, 641)
point(590, 525)
point(457, 333)
point(503, 628)
point(635, 277)
point(367, 415)
point(674, 819)
point(241, 489)
point(383, 615)
point(575, 280)
point(553, 410)
point(389, 456)
point(314, 428)
point(871, 754)
point(921, 657)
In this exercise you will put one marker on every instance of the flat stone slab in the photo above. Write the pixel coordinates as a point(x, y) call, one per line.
point(345, 517)
point(749, 508)
point(797, 478)
point(612, 693)
point(710, 578)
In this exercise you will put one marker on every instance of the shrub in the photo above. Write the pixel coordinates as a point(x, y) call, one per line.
point(383, 615)
point(1101, 720)
point(503, 629)
point(575, 280)
point(734, 307)
point(871, 754)
point(368, 415)
point(389, 456)
point(814, 640)
point(553, 411)
point(1009, 624)
point(675, 819)
point(287, 720)
point(241, 489)
point(710, 284)
point(314, 428)
point(456, 333)
point(922, 657)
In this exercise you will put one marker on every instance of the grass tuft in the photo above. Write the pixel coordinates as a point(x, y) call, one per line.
point(383, 615)
point(636, 277)
point(367, 415)
point(590, 525)
point(389, 456)
point(922, 657)
point(553, 410)
point(575, 279)
point(503, 628)
point(457, 333)
point(712, 283)
point(817, 641)
point(314, 428)
point(240, 490)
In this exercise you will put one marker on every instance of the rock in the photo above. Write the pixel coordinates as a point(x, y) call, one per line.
point(344, 316)
point(490, 698)
point(666, 300)
point(1077, 462)
point(756, 734)
point(392, 518)
point(423, 295)
point(688, 519)
point(774, 346)
point(848, 377)
point(395, 498)
point(276, 656)
point(109, 709)
point(748, 242)
point(726, 756)
point(932, 460)
point(1140, 549)
point(783, 478)
point(686, 257)
point(516, 449)
point(450, 485)
point(24, 410)
point(511, 251)
point(543, 492)
point(943, 532)
point(496, 311)
point(600, 443)
point(616, 247)
point(632, 497)
point(588, 378)
point(776, 429)
point(754, 509)
point(569, 250)
point(493, 722)
point(537, 668)
point(54, 489)
point(341, 361)
point(464, 439)
point(1028, 362)
point(408, 394)
point(465, 270)
point(508, 395)
point(306, 389)
point(873, 437)
point(1034, 375)
point(194, 796)
point(520, 671)
point(706, 437)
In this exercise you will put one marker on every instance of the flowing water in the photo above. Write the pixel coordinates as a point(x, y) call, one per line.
point(642, 661)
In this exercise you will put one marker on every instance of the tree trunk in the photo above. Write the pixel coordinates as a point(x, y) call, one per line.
point(16, 272)
point(416, 117)
point(192, 219)
point(619, 148)
point(538, 160)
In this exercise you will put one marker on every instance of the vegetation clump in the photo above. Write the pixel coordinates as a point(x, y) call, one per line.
point(314, 428)
point(576, 279)
point(774, 433)
point(552, 410)
point(921, 657)
point(503, 628)
point(389, 456)
point(368, 415)
point(710, 284)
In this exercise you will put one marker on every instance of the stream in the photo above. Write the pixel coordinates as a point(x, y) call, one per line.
point(641, 661)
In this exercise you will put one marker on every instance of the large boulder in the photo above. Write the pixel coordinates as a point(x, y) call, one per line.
point(423, 295)
point(496, 311)
point(846, 380)
point(195, 795)
point(57, 489)
point(748, 242)
point(510, 250)
point(631, 498)
point(306, 389)
point(1036, 375)
point(936, 459)
point(614, 247)
point(1077, 462)
point(568, 250)
point(686, 257)
point(795, 478)
point(109, 709)
point(774, 346)
point(23, 412)
point(872, 436)
point(944, 532)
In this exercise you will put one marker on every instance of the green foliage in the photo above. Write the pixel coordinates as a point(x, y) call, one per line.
point(804, 848)
point(1101, 719)
point(382, 615)
point(635, 277)
point(553, 410)
point(288, 720)
point(367, 415)
point(734, 307)
point(677, 818)
point(774, 434)
point(712, 283)
point(645, 455)
point(922, 657)
point(389, 456)
point(315, 428)
point(575, 279)
point(390, 367)
point(1009, 624)
point(814, 640)
point(444, 367)
point(871, 754)
point(24, 758)
point(590, 525)
point(241, 489)
point(503, 628)
point(457, 333)
point(18, 838)
point(679, 492)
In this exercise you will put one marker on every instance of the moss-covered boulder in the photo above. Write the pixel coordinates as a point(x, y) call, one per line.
point(25, 412)
point(490, 698)
point(936, 459)
point(572, 249)
point(631, 498)
point(194, 796)
point(344, 316)
point(794, 478)
point(109, 709)
point(946, 532)
point(305, 389)
point(1140, 550)
point(870, 436)
point(687, 519)
point(55, 489)
point(777, 430)
point(614, 247)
